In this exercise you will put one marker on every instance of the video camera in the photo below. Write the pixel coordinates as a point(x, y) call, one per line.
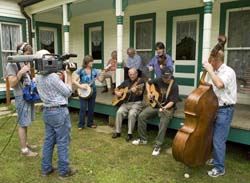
point(49, 63)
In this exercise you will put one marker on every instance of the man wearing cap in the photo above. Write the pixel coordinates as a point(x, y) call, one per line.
point(169, 93)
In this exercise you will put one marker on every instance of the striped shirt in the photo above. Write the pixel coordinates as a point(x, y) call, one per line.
point(52, 90)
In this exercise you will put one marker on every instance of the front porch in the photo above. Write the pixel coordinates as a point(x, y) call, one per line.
point(240, 127)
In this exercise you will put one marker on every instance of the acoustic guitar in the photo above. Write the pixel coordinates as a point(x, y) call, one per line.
point(155, 96)
point(125, 93)
point(86, 93)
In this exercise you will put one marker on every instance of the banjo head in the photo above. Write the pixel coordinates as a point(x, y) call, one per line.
point(85, 93)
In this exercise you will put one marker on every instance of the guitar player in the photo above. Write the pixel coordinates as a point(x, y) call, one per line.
point(167, 99)
point(132, 104)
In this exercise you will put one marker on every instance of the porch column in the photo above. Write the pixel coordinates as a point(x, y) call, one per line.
point(208, 6)
point(119, 15)
point(66, 25)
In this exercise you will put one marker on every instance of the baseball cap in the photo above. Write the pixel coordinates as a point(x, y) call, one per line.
point(166, 72)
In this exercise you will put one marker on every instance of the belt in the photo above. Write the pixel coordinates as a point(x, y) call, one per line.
point(226, 106)
point(54, 107)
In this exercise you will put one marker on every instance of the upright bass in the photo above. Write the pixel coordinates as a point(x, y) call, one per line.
point(192, 144)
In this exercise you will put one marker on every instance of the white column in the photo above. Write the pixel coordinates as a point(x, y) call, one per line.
point(208, 5)
point(120, 69)
point(66, 24)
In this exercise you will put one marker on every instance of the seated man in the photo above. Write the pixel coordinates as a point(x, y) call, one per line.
point(169, 93)
point(133, 61)
point(132, 104)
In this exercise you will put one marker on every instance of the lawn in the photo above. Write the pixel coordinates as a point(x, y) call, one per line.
point(101, 159)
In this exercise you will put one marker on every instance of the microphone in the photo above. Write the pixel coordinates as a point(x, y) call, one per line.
point(20, 58)
point(67, 56)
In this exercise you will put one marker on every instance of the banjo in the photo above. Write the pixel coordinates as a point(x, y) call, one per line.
point(86, 93)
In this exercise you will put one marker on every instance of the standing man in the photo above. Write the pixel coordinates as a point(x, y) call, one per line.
point(160, 61)
point(54, 94)
point(223, 79)
point(19, 75)
point(169, 93)
point(132, 105)
point(133, 61)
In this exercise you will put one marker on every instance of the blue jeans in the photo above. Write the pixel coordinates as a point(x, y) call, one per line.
point(84, 104)
point(221, 131)
point(25, 111)
point(57, 131)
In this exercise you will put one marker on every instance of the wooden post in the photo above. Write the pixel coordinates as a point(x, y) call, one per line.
point(7, 91)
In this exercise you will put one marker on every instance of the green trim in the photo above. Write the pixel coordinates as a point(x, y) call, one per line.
point(119, 20)
point(66, 28)
point(119, 65)
point(69, 11)
point(51, 25)
point(124, 4)
point(3, 94)
point(33, 34)
point(184, 81)
point(185, 69)
point(208, 7)
point(239, 135)
point(169, 27)
point(86, 41)
point(22, 22)
point(132, 30)
point(223, 12)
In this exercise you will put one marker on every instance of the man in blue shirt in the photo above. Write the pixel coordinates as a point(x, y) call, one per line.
point(54, 93)
point(160, 61)
point(133, 61)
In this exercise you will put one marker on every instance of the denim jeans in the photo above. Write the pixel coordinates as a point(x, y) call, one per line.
point(57, 131)
point(25, 111)
point(84, 105)
point(221, 131)
point(147, 114)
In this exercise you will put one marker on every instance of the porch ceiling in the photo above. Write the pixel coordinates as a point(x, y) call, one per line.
point(88, 6)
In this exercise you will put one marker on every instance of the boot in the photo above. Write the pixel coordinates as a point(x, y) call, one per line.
point(105, 89)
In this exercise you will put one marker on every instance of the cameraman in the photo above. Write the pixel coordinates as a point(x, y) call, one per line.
point(18, 75)
point(54, 94)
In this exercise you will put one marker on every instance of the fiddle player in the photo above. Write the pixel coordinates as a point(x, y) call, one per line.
point(160, 61)
point(165, 111)
point(223, 79)
point(132, 105)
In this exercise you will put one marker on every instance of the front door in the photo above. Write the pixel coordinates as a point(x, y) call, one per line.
point(185, 51)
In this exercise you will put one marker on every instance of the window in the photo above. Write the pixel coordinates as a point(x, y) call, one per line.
point(10, 37)
point(95, 41)
point(186, 40)
point(238, 47)
point(48, 40)
point(143, 41)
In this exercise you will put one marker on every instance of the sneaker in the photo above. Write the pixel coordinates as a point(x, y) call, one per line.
point(156, 151)
point(210, 162)
point(29, 153)
point(45, 174)
point(129, 137)
point(80, 129)
point(116, 135)
point(215, 173)
point(31, 146)
point(92, 126)
point(139, 141)
point(69, 173)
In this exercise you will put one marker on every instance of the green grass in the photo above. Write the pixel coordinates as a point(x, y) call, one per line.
point(101, 159)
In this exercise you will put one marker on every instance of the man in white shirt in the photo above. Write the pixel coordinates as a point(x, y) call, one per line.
point(223, 79)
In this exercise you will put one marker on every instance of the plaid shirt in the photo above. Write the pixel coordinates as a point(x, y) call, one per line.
point(52, 90)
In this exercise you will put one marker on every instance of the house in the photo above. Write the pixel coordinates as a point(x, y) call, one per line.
point(97, 27)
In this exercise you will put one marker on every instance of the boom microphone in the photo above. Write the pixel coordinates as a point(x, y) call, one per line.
point(20, 58)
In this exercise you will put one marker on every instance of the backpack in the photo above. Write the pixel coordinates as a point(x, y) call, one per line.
point(30, 93)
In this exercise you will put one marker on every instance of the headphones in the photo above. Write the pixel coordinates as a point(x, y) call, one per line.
point(21, 49)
